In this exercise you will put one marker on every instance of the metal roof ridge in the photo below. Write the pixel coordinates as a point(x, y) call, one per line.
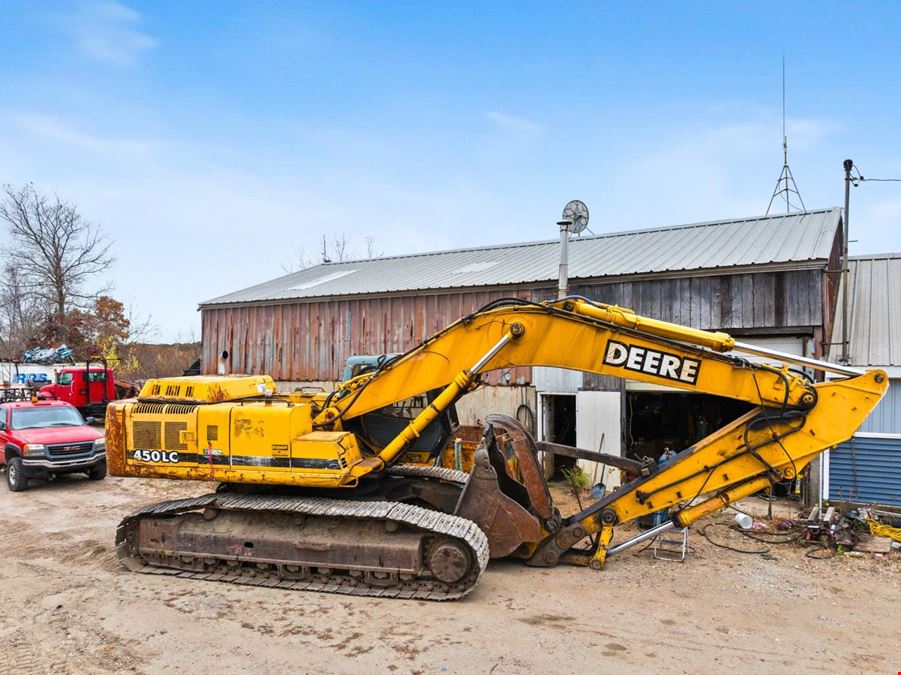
point(876, 256)
point(517, 245)
point(711, 223)
point(603, 235)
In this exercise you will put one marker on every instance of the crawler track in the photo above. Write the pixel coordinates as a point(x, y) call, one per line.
point(439, 544)
point(432, 472)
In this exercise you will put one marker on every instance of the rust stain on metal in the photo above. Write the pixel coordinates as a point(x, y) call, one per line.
point(506, 524)
point(115, 441)
point(470, 435)
point(513, 438)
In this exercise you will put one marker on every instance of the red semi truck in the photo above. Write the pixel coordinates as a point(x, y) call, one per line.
point(89, 388)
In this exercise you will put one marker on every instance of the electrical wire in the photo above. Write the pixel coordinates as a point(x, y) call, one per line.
point(784, 538)
point(526, 417)
point(735, 508)
point(823, 547)
point(859, 178)
point(783, 414)
point(878, 529)
point(761, 536)
point(644, 548)
point(727, 546)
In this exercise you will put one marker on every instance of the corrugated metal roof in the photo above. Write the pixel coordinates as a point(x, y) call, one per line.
point(797, 237)
point(875, 311)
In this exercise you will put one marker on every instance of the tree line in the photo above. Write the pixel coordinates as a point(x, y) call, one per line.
point(51, 289)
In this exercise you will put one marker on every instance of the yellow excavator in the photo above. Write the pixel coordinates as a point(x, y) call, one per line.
point(314, 493)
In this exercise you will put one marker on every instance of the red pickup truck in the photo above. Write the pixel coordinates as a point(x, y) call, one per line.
point(44, 438)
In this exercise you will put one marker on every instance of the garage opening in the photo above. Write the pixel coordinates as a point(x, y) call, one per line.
point(656, 421)
point(559, 411)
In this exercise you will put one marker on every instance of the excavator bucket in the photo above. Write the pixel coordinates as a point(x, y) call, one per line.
point(505, 494)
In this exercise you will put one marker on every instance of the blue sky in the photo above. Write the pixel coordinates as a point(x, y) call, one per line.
point(211, 138)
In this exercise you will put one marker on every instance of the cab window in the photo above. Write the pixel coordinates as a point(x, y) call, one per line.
point(97, 377)
point(65, 379)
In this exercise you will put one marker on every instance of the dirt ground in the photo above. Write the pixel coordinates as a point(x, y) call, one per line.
point(68, 607)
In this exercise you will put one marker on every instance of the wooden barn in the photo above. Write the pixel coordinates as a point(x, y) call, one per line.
point(767, 280)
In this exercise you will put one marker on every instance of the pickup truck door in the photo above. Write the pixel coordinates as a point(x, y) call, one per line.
point(4, 432)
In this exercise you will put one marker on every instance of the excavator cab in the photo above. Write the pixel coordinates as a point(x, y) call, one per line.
point(378, 428)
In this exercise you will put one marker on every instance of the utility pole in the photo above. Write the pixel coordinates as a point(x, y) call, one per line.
point(848, 164)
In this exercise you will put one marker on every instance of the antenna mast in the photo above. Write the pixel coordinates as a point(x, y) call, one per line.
point(785, 185)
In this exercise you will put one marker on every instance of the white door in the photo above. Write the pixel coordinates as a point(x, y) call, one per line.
point(598, 428)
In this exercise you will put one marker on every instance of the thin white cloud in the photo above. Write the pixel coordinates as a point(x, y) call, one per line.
point(718, 171)
point(109, 32)
point(61, 132)
point(515, 123)
point(805, 134)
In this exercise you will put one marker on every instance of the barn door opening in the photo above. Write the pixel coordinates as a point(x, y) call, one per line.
point(558, 425)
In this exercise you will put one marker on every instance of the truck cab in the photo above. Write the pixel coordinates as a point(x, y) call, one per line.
point(41, 439)
point(88, 388)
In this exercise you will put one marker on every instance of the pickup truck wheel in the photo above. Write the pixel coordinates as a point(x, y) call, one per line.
point(15, 476)
point(98, 472)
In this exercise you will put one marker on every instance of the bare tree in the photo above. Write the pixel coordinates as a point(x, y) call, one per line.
point(299, 260)
point(341, 248)
point(57, 252)
point(141, 328)
point(371, 249)
point(20, 310)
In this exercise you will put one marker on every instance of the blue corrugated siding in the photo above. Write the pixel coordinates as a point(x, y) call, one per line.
point(886, 418)
point(866, 471)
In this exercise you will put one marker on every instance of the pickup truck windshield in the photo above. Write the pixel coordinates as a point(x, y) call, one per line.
point(56, 416)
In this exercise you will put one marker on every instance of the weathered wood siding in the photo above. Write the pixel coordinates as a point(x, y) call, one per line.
point(740, 301)
point(310, 341)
